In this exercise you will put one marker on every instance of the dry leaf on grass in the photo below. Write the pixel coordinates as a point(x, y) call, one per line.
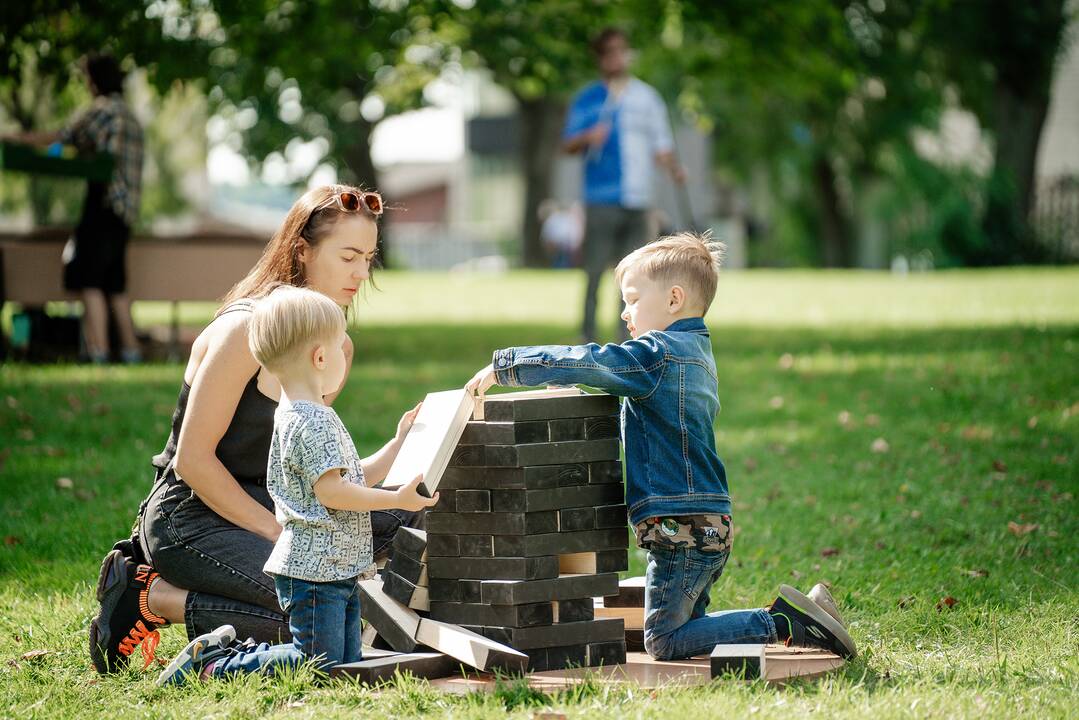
point(829, 552)
point(65, 483)
point(946, 602)
point(977, 573)
point(905, 601)
point(1020, 530)
point(880, 445)
point(34, 654)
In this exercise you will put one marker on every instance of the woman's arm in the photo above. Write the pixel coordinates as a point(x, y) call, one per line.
point(333, 491)
point(219, 382)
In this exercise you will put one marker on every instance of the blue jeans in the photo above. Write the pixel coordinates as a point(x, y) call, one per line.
point(324, 618)
point(678, 581)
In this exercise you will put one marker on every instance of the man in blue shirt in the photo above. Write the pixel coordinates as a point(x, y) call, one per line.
point(620, 125)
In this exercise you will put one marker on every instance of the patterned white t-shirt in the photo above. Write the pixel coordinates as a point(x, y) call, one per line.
point(317, 544)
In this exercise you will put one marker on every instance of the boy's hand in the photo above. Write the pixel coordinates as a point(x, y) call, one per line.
point(409, 499)
point(482, 380)
point(406, 421)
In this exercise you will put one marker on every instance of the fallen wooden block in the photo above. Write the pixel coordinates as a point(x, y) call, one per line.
point(773, 663)
point(431, 440)
point(404, 592)
point(384, 668)
point(411, 542)
point(633, 617)
point(468, 647)
point(393, 621)
point(630, 594)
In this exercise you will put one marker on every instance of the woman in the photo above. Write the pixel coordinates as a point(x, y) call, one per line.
point(207, 527)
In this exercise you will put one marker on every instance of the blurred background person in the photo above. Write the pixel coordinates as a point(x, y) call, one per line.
point(561, 229)
point(621, 126)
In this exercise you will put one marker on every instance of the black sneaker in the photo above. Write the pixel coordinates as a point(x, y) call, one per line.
point(125, 620)
point(192, 660)
point(801, 622)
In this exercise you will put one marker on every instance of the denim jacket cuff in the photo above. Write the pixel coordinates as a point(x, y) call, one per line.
point(502, 362)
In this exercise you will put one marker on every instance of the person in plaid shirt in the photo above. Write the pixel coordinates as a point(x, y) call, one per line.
point(94, 259)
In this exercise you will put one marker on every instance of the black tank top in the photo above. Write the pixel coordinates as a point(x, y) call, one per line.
point(244, 449)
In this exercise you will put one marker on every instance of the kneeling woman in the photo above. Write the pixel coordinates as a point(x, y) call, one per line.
point(207, 527)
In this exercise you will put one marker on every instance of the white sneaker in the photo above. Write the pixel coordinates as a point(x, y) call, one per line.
point(820, 595)
point(189, 660)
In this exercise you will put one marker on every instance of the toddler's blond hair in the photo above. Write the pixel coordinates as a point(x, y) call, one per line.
point(289, 320)
point(691, 260)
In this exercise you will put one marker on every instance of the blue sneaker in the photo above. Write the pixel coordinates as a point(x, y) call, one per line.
point(194, 657)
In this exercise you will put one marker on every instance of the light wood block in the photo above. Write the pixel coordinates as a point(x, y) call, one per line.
point(431, 440)
point(470, 648)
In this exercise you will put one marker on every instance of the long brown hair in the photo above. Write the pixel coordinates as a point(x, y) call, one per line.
point(307, 223)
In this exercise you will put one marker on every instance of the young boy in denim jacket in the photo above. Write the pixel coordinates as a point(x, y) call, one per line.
point(676, 485)
point(319, 487)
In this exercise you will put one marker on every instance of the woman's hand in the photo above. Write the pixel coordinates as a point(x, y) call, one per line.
point(405, 423)
point(408, 497)
point(481, 381)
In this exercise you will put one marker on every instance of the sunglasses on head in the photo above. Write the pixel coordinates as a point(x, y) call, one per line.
point(350, 201)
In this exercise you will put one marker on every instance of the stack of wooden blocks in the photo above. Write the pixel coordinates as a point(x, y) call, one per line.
point(405, 576)
point(530, 526)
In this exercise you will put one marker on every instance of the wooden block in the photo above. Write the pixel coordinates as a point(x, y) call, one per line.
point(567, 656)
point(467, 456)
point(431, 440)
point(411, 542)
point(632, 617)
point(601, 561)
point(447, 501)
point(608, 653)
point(573, 496)
point(478, 545)
point(575, 519)
point(563, 587)
point(571, 611)
point(382, 669)
point(409, 568)
point(499, 408)
point(520, 523)
point(394, 622)
point(630, 594)
point(559, 543)
point(474, 501)
point(369, 634)
point(537, 477)
point(497, 568)
point(517, 616)
point(443, 545)
point(404, 592)
point(556, 635)
point(554, 453)
point(470, 648)
point(609, 471)
point(746, 660)
point(635, 640)
point(455, 590)
point(594, 428)
point(507, 433)
point(611, 516)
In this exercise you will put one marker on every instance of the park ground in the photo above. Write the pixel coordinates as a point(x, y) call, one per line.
point(912, 440)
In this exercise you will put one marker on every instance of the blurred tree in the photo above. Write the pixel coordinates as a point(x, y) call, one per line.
point(1002, 56)
point(329, 70)
point(539, 52)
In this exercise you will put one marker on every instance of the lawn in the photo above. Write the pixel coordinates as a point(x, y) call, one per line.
point(912, 440)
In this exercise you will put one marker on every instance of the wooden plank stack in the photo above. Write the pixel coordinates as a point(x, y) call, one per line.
point(530, 526)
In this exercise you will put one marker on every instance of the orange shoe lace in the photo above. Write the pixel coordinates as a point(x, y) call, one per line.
point(141, 635)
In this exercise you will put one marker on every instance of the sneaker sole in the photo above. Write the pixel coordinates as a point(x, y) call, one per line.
point(815, 611)
point(192, 652)
point(111, 581)
point(820, 595)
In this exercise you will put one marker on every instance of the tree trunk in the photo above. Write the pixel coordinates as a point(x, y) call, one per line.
point(541, 128)
point(1017, 128)
point(835, 236)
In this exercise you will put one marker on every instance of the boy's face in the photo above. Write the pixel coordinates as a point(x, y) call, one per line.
point(648, 305)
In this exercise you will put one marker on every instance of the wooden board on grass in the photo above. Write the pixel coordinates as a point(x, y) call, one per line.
point(431, 440)
point(470, 648)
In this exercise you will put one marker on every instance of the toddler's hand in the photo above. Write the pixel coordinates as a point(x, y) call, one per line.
point(481, 381)
point(405, 423)
point(408, 498)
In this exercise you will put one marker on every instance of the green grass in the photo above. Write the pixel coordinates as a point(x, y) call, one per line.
point(969, 378)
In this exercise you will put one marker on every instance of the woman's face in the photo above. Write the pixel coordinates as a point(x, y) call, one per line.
point(341, 262)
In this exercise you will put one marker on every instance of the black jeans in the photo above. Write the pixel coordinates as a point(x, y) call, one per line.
point(220, 564)
point(610, 233)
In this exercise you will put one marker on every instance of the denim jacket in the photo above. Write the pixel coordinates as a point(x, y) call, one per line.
point(668, 380)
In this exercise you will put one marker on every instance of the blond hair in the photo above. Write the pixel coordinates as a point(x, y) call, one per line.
point(691, 260)
point(289, 320)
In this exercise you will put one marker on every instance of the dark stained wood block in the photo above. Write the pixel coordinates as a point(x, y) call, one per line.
point(498, 409)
